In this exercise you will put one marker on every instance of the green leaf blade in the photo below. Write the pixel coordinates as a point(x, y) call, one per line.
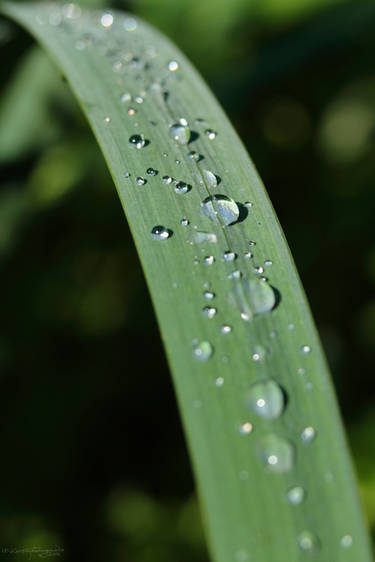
point(245, 504)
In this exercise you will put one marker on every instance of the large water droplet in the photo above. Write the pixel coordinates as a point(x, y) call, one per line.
point(137, 140)
point(208, 178)
point(276, 453)
point(296, 495)
point(202, 350)
point(160, 233)
point(266, 399)
point(261, 296)
point(106, 20)
point(180, 133)
point(221, 209)
point(307, 541)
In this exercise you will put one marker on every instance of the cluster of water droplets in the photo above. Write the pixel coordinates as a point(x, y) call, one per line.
point(249, 292)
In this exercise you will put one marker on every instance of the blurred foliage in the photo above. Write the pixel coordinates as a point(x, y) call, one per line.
point(85, 466)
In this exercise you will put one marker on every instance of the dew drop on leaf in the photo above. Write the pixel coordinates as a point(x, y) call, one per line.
point(202, 351)
point(209, 179)
point(261, 296)
point(137, 140)
point(259, 353)
point(209, 295)
point(125, 97)
point(276, 453)
point(295, 495)
point(184, 222)
point(140, 180)
point(308, 434)
point(160, 233)
point(245, 428)
point(346, 541)
point(307, 541)
point(209, 311)
point(167, 179)
point(173, 66)
point(208, 260)
point(221, 209)
point(210, 134)
point(305, 349)
point(226, 329)
point(151, 172)
point(180, 133)
point(199, 236)
point(181, 187)
point(266, 399)
point(229, 256)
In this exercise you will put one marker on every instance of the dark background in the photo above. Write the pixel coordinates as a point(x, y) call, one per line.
point(93, 457)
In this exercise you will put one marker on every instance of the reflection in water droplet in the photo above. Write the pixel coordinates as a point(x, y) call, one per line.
point(140, 180)
point(308, 434)
point(296, 495)
point(209, 311)
point(209, 295)
point(132, 111)
point(346, 541)
point(184, 222)
point(208, 178)
point(266, 399)
point(137, 140)
point(221, 209)
point(173, 66)
point(202, 350)
point(229, 256)
point(106, 20)
point(208, 260)
point(180, 133)
point(226, 329)
point(151, 172)
point(305, 349)
point(160, 233)
point(181, 187)
point(246, 428)
point(129, 24)
point(107, 119)
point(167, 179)
point(307, 541)
point(276, 453)
point(210, 134)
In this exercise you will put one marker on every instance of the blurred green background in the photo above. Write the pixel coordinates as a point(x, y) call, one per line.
point(93, 455)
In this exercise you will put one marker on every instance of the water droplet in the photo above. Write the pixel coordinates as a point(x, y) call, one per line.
point(106, 20)
point(173, 66)
point(290, 326)
point(229, 256)
point(208, 178)
point(246, 428)
point(221, 209)
point(226, 329)
point(273, 334)
point(301, 371)
point(219, 381)
point(152, 172)
point(209, 311)
point(296, 495)
point(137, 140)
point(308, 434)
point(252, 243)
point(267, 263)
point(178, 161)
point(276, 453)
point(160, 233)
point(266, 399)
point(248, 204)
point(210, 134)
point(305, 349)
point(184, 222)
point(140, 180)
point(180, 133)
point(202, 350)
point(307, 541)
point(248, 255)
point(259, 269)
point(167, 179)
point(259, 353)
point(193, 155)
point(132, 111)
point(130, 24)
point(139, 99)
point(181, 187)
point(208, 260)
point(346, 541)
point(107, 119)
point(125, 97)
point(260, 297)
point(200, 236)
point(235, 274)
point(209, 295)
point(127, 175)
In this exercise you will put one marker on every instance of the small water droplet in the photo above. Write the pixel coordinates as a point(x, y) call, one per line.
point(308, 434)
point(235, 274)
point(208, 178)
point(268, 263)
point(259, 353)
point(219, 381)
point(291, 326)
point(184, 222)
point(180, 132)
point(229, 256)
point(346, 541)
point(210, 134)
point(160, 233)
point(248, 255)
point(140, 180)
point(106, 20)
point(202, 350)
point(273, 334)
point(248, 204)
point(181, 187)
point(208, 260)
point(167, 179)
point(259, 269)
point(266, 399)
point(296, 495)
point(246, 428)
point(193, 155)
point(307, 541)
point(252, 243)
point(107, 119)
point(199, 236)
point(301, 371)
point(226, 329)
point(132, 111)
point(173, 66)
point(125, 97)
point(127, 174)
point(178, 161)
point(305, 349)
point(209, 311)
point(276, 453)
point(137, 140)
point(221, 209)
point(152, 172)
point(139, 99)
point(209, 295)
